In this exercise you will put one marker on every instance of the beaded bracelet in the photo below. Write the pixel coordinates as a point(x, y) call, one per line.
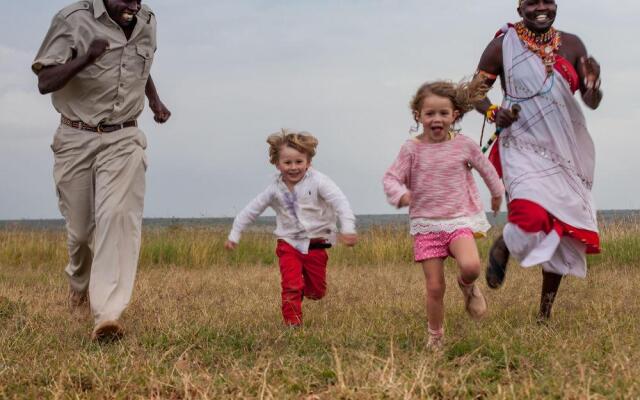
point(491, 113)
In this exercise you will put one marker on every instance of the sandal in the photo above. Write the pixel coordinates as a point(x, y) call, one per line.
point(498, 259)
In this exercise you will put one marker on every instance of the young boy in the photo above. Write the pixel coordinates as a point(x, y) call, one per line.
point(307, 204)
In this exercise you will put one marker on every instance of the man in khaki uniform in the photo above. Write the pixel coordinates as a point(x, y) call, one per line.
point(95, 60)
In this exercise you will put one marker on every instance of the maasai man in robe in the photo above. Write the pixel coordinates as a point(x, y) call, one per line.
point(545, 154)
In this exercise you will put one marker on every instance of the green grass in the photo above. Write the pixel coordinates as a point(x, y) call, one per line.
point(205, 323)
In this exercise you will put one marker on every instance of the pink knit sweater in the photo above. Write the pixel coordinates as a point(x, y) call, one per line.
point(439, 178)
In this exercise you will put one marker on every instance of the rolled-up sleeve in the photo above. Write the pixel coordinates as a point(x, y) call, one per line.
point(57, 46)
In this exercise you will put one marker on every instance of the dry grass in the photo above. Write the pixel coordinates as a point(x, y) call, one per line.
point(206, 324)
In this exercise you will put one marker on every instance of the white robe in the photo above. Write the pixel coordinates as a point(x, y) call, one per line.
point(547, 157)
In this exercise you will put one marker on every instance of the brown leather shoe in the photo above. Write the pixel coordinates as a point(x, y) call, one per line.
point(107, 331)
point(78, 303)
point(76, 299)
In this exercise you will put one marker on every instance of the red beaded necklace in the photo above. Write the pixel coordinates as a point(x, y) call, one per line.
point(545, 45)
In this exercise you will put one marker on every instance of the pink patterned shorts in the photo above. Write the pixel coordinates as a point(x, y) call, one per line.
point(436, 244)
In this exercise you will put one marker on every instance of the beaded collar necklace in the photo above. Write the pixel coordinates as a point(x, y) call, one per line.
point(545, 45)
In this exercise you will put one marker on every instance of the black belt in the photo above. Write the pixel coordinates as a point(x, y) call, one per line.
point(97, 129)
point(313, 245)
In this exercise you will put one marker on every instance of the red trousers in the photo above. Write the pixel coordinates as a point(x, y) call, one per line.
point(302, 275)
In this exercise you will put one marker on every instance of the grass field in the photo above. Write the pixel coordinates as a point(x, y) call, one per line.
point(204, 323)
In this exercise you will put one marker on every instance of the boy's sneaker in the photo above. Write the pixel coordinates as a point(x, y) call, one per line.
point(474, 300)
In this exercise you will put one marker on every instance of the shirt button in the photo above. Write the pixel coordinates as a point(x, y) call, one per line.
point(124, 65)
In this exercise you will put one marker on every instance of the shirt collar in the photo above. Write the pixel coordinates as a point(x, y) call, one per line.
point(98, 8)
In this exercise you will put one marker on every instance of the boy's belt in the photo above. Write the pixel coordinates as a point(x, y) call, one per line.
point(319, 244)
point(97, 129)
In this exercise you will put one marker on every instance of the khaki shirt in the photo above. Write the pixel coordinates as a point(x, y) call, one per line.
point(111, 90)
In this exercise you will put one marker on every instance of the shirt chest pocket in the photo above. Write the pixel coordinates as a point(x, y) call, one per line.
point(143, 59)
point(308, 200)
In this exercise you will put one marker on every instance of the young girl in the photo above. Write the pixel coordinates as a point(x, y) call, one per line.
point(432, 175)
point(306, 203)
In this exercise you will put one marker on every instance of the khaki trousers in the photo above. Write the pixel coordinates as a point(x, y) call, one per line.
point(100, 182)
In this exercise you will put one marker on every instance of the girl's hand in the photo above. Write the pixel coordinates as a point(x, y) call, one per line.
point(229, 245)
point(348, 239)
point(504, 118)
point(496, 202)
point(405, 200)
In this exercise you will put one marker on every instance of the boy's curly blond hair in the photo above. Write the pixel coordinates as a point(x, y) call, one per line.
point(304, 142)
point(463, 95)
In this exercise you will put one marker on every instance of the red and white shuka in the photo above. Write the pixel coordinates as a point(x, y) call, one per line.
point(547, 161)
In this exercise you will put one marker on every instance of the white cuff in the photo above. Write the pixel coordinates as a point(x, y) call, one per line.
point(234, 236)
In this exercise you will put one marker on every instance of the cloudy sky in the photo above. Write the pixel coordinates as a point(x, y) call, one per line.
point(233, 71)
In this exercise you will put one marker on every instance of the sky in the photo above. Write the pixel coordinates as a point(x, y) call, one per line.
point(234, 71)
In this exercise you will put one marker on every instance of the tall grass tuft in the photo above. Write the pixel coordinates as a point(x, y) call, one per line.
point(202, 247)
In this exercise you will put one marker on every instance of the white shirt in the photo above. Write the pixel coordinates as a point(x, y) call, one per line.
point(307, 212)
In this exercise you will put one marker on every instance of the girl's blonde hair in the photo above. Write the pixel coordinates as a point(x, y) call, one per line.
point(304, 142)
point(463, 95)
